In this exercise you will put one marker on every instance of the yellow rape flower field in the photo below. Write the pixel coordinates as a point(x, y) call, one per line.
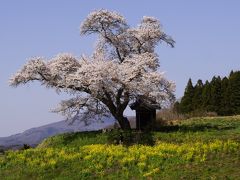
point(200, 148)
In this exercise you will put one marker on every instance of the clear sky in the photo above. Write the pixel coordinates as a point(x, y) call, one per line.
point(207, 35)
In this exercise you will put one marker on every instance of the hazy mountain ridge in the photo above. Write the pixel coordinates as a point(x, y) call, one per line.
point(34, 136)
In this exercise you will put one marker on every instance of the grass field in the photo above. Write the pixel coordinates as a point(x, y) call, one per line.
point(198, 148)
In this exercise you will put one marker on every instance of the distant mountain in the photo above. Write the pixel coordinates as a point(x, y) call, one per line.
point(35, 135)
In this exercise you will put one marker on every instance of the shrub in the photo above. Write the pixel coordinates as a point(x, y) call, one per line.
point(118, 136)
point(130, 137)
point(25, 146)
point(2, 151)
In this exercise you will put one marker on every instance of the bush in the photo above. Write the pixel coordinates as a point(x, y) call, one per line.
point(168, 115)
point(25, 147)
point(145, 138)
point(117, 136)
point(2, 151)
point(130, 137)
point(200, 113)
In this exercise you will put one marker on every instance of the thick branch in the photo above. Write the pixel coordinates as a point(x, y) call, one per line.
point(111, 42)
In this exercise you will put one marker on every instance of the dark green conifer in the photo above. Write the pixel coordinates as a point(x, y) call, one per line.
point(206, 96)
point(220, 95)
point(234, 87)
point(197, 97)
point(225, 107)
point(215, 94)
point(186, 105)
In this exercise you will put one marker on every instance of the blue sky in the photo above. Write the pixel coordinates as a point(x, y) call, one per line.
point(206, 33)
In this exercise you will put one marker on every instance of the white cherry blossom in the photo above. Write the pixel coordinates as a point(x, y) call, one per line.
point(123, 68)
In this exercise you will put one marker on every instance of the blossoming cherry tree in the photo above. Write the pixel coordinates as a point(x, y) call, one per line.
point(122, 68)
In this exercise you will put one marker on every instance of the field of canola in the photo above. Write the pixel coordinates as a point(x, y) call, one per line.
point(198, 148)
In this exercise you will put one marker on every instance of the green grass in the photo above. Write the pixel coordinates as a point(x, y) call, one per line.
point(198, 148)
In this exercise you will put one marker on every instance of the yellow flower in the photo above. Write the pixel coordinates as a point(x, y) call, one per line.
point(154, 171)
point(141, 165)
point(126, 160)
point(52, 162)
point(142, 157)
point(87, 157)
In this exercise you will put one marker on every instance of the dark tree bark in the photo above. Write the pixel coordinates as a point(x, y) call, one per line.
point(123, 122)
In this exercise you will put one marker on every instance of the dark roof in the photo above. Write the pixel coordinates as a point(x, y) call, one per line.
point(139, 104)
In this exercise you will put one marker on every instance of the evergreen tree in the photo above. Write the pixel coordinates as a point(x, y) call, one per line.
point(197, 97)
point(225, 107)
point(176, 107)
point(206, 96)
point(234, 87)
point(215, 94)
point(220, 95)
point(186, 105)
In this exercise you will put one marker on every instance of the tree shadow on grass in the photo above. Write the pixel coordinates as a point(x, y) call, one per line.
point(131, 137)
point(69, 137)
point(194, 128)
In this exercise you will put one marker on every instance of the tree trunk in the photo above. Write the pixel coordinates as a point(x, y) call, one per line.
point(117, 111)
point(123, 122)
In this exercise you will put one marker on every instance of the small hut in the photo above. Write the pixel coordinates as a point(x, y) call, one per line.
point(145, 114)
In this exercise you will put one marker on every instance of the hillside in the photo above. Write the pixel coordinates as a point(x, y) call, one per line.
point(198, 148)
point(34, 136)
